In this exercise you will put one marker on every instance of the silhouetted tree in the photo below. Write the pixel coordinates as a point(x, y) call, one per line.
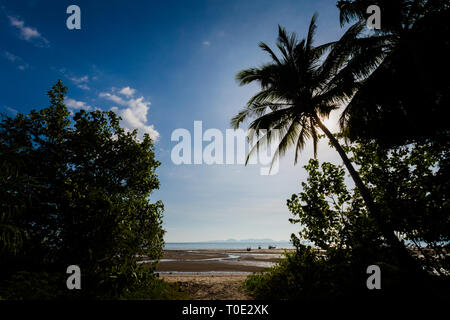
point(89, 182)
point(297, 90)
point(409, 185)
point(405, 95)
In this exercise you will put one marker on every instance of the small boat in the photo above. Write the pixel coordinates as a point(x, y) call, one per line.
point(272, 247)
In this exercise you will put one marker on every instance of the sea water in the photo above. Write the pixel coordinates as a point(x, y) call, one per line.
point(226, 245)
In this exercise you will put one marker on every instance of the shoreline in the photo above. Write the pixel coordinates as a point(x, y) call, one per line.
point(214, 274)
point(215, 261)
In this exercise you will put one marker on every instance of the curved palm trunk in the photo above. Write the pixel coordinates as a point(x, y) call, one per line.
point(388, 233)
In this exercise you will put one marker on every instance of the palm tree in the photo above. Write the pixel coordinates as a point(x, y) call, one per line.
point(298, 90)
point(405, 97)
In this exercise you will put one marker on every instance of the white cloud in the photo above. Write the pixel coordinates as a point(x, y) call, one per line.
point(74, 104)
point(133, 114)
point(80, 79)
point(206, 43)
point(28, 33)
point(83, 86)
point(114, 98)
point(11, 57)
point(127, 91)
point(81, 82)
point(21, 65)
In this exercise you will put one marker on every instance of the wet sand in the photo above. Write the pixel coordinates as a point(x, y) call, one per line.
point(215, 274)
point(218, 260)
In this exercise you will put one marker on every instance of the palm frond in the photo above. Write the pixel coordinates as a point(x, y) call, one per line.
point(296, 86)
point(302, 137)
point(255, 109)
point(287, 132)
point(351, 10)
point(266, 48)
point(272, 119)
point(286, 41)
point(270, 95)
point(311, 32)
point(339, 53)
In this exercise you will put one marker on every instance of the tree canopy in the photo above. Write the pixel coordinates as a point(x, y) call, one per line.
point(405, 96)
point(77, 193)
point(338, 239)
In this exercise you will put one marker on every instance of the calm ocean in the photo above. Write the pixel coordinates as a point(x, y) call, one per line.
point(225, 245)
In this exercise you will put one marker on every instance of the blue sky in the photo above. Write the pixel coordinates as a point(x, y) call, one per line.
point(162, 65)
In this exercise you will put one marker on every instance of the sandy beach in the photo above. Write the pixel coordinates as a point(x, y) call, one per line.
point(215, 274)
point(200, 286)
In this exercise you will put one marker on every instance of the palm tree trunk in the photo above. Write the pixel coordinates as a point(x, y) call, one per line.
point(388, 233)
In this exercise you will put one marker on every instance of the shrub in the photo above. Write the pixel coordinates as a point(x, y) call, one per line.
point(77, 192)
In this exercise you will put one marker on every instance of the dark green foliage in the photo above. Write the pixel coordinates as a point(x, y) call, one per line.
point(310, 275)
point(11, 204)
point(157, 289)
point(405, 96)
point(27, 285)
point(81, 189)
point(410, 184)
point(397, 15)
point(332, 216)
